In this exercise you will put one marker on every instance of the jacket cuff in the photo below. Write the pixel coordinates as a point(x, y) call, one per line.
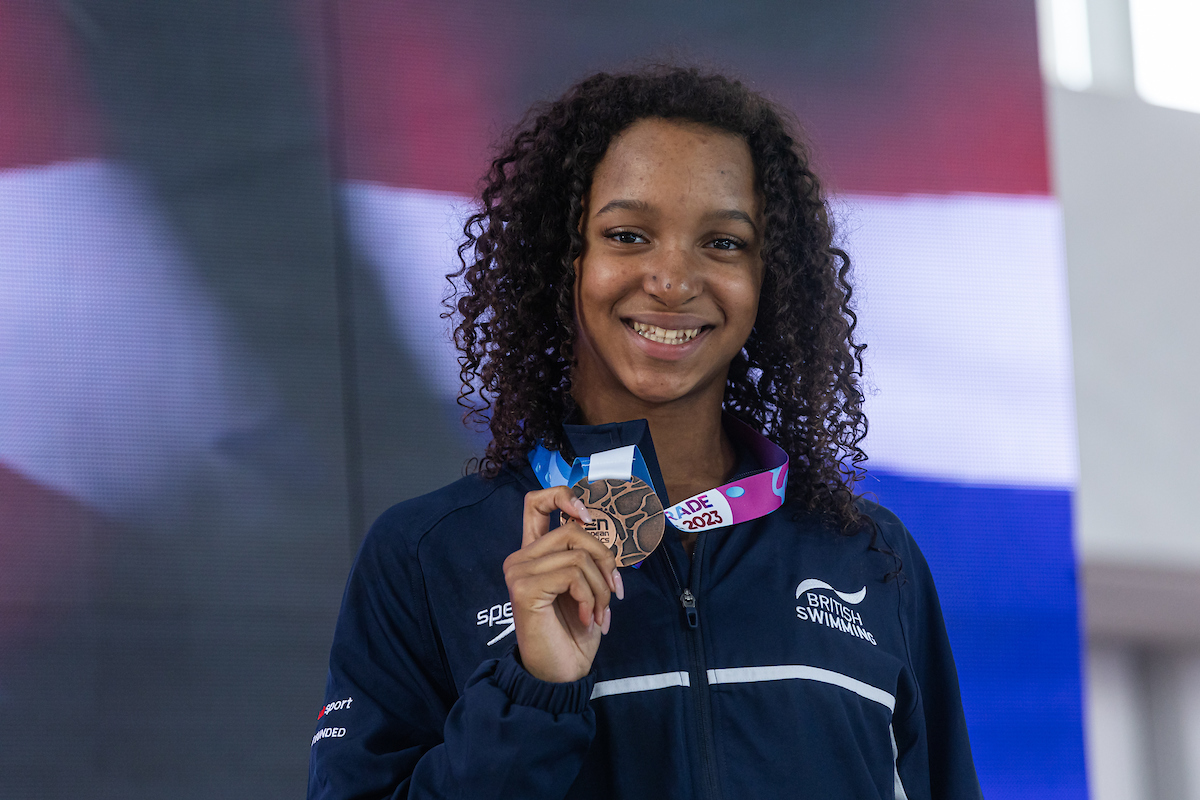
point(554, 698)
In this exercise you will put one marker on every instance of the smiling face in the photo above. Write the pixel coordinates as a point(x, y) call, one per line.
point(666, 291)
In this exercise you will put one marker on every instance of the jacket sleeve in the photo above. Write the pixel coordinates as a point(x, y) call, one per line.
point(393, 724)
point(933, 758)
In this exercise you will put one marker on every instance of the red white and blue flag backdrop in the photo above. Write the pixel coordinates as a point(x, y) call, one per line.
point(224, 230)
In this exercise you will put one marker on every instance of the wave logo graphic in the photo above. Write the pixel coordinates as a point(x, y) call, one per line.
point(832, 612)
point(812, 583)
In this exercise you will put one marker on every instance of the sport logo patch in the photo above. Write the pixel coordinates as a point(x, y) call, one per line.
point(499, 614)
point(833, 612)
point(336, 705)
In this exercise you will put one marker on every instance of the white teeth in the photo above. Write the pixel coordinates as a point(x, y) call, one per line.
point(665, 335)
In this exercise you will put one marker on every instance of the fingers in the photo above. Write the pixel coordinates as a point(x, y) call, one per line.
point(541, 504)
point(570, 551)
point(573, 537)
point(546, 583)
point(592, 593)
point(568, 568)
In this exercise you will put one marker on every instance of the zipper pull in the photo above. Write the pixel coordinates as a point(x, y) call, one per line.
point(689, 608)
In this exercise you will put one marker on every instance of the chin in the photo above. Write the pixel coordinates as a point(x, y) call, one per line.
point(658, 394)
point(658, 399)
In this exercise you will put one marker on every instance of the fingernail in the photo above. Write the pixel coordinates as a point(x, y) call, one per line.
point(607, 621)
point(583, 511)
point(620, 584)
point(591, 625)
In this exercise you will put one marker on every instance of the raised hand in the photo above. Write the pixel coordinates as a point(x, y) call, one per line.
point(560, 584)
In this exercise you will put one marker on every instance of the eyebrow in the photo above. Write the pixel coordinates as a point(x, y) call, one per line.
point(624, 205)
point(734, 214)
point(642, 206)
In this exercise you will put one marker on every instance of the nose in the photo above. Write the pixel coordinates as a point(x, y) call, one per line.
point(673, 279)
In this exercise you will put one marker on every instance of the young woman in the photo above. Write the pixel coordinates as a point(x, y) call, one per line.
point(651, 294)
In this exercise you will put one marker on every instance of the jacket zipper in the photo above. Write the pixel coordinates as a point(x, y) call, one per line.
point(699, 672)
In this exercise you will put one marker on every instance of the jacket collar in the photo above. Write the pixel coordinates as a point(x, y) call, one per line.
point(587, 439)
point(584, 440)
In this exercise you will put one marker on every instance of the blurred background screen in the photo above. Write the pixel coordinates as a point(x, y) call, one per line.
point(224, 231)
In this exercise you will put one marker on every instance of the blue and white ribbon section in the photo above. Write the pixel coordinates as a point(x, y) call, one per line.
point(740, 500)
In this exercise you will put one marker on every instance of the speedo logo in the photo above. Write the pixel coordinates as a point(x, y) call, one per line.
point(819, 607)
point(337, 705)
point(499, 614)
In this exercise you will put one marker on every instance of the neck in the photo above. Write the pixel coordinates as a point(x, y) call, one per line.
point(694, 452)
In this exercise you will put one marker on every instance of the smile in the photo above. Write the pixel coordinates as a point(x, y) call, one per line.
point(665, 335)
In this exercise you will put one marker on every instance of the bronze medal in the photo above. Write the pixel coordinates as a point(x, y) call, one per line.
point(627, 517)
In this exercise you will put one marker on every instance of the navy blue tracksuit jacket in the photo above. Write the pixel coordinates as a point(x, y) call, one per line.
point(782, 661)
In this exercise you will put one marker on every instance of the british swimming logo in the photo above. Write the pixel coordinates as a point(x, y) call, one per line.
point(824, 605)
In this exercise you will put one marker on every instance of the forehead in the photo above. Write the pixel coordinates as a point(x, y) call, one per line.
point(668, 157)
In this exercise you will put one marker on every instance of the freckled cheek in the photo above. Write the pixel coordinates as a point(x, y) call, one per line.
point(602, 289)
point(593, 316)
point(741, 305)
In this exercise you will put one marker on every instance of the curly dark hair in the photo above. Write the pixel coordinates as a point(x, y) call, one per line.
point(797, 377)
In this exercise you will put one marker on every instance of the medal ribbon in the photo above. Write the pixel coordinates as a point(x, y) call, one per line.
point(738, 501)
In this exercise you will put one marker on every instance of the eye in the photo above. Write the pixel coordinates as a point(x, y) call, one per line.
point(625, 237)
point(726, 243)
